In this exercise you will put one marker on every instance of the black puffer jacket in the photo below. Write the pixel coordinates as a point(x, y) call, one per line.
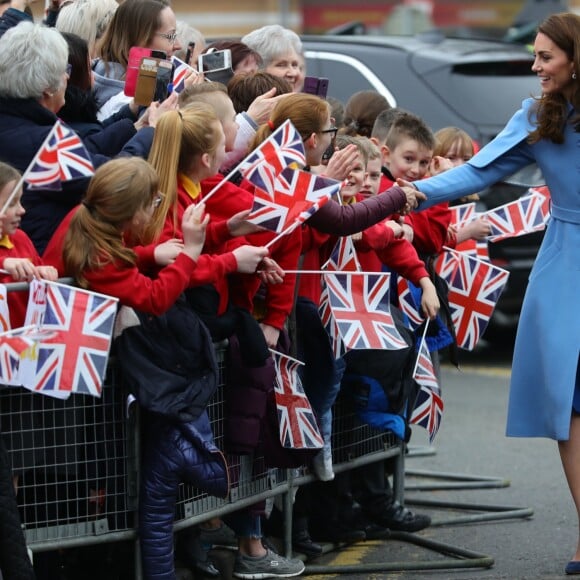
point(14, 561)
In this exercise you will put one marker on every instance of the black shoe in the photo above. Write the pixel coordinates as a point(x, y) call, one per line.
point(302, 542)
point(337, 533)
point(400, 519)
point(375, 532)
point(191, 551)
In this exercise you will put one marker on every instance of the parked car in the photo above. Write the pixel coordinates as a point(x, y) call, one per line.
point(473, 84)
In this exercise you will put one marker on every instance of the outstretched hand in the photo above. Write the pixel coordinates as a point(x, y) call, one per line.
point(239, 226)
point(342, 162)
point(414, 196)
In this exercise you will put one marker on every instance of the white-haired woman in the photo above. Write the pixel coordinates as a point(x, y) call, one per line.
point(86, 18)
point(281, 52)
point(33, 79)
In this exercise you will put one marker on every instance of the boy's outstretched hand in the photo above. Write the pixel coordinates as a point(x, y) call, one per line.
point(414, 196)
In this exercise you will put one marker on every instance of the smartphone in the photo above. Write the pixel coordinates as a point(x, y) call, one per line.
point(146, 81)
point(163, 80)
point(136, 55)
point(316, 86)
point(216, 65)
point(189, 53)
point(328, 153)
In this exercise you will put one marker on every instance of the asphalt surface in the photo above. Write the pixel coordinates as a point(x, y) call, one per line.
point(471, 442)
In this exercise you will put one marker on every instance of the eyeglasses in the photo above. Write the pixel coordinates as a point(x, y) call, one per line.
point(68, 69)
point(331, 130)
point(169, 36)
point(156, 201)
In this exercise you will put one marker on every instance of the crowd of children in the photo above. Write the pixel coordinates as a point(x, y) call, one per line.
point(159, 228)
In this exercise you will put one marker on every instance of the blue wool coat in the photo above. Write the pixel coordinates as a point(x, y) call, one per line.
point(546, 355)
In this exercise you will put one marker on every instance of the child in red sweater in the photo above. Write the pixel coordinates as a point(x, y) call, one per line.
point(18, 256)
point(188, 149)
point(230, 200)
point(120, 201)
point(454, 147)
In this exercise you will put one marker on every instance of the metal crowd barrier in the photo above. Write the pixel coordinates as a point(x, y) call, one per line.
point(76, 465)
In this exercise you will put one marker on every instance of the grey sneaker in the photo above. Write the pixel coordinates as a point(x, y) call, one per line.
point(271, 565)
point(222, 537)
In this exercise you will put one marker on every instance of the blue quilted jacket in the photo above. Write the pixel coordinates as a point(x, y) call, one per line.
point(174, 453)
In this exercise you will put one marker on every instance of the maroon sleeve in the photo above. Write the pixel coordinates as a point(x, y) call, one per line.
point(343, 220)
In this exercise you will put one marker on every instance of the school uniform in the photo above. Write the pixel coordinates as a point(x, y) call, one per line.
point(17, 245)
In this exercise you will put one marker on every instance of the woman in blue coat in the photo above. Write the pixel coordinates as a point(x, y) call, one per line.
point(545, 384)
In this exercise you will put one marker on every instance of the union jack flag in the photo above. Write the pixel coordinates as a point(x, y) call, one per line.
point(4, 312)
point(289, 198)
point(74, 357)
point(447, 262)
point(408, 303)
point(283, 148)
point(180, 70)
point(516, 218)
point(298, 427)
point(462, 213)
point(474, 289)
point(428, 411)
point(61, 157)
point(474, 248)
point(343, 257)
point(12, 345)
point(546, 199)
point(356, 313)
point(424, 371)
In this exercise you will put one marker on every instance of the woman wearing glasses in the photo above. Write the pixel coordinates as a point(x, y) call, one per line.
point(145, 23)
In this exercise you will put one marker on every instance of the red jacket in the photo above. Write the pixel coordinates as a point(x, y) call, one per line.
point(316, 249)
point(430, 226)
point(127, 283)
point(379, 246)
point(229, 200)
point(217, 261)
point(133, 289)
point(53, 252)
point(22, 247)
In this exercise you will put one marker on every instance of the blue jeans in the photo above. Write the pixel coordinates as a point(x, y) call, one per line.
point(244, 524)
point(322, 373)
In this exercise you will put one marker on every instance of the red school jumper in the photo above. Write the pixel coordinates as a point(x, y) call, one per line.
point(17, 245)
point(231, 199)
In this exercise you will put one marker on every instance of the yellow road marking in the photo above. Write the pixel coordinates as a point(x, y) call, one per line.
point(348, 556)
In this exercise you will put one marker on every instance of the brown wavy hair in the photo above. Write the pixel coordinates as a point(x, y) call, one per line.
point(116, 192)
point(551, 110)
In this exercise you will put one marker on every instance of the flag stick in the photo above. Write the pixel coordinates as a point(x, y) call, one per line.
point(283, 233)
point(23, 177)
point(235, 169)
point(420, 347)
point(286, 356)
point(20, 330)
point(347, 272)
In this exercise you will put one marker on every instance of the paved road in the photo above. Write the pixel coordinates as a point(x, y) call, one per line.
point(471, 441)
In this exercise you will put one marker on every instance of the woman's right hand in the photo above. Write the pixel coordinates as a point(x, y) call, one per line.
point(193, 226)
point(248, 258)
